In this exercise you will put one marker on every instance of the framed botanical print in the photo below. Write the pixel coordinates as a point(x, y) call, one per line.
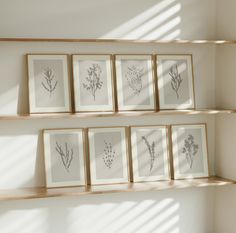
point(150, 156)
point(135, 82)
point(64, 157)
point(108, 155)
point(93, 83)
point(48, 80)
point(189, 148)
point(175, 81)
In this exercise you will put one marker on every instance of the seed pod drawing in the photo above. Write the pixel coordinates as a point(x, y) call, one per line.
point(108, 154)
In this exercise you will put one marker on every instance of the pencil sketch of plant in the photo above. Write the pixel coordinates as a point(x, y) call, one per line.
point(49, 83)
point(108, 154)
point(93, 80)
point(134, 76)
point(190, 149)
point(66, 155)
point(151, 150)
point(176, 79)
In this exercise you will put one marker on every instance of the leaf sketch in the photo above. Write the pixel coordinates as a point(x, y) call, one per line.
point(108, 155)
point(66, 156)
point(134, 77)
point(176, 79)
point(93, 80)
point(49, 84)
point(190, 149)
point(151, 150)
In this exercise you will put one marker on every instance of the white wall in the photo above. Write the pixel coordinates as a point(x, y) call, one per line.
point(225, 204)
point(21, 156)
point(225, 138)
point(141, 212)
point(144, 19)
point(225, 209)
point(225, 11)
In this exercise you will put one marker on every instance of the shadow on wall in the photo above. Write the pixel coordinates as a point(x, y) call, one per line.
point(117, 213)
point(162, 21)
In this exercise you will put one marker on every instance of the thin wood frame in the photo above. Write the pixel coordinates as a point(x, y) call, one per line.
point(167, 152)
point(49, 183)
point(111, 74)
point(192, 80)
point(126, 165)
point(68, 82)
point(152, 95)
point(206, 150)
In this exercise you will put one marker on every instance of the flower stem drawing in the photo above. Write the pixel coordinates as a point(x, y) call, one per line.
point(134, 77)
point(66, 155)
point(93, 80)
point(176, 79)
point(49, 83)
point(151, 150)
point(190, 149)
point(108, 155)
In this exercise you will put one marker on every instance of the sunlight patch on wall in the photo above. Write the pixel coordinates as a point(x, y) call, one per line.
point(8, 101)
point(22, 221)
point(18, 155)
point(147, 20)
point(145, 216)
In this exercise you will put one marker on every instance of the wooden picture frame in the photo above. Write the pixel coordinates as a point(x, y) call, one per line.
point(135, 85)
point(64, 155)
point(49, 83)
point(175, 81)
point(150, 153)
point(93, 83)
point(189, 150)
point(108, 153)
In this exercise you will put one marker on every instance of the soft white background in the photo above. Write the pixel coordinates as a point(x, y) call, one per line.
point(21, 153)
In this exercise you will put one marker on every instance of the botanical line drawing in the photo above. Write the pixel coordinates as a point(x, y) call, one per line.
point(93, 79)
point(66, 155)
point(176, 79)
point(49, 84)
point(151, 150)
point(108, 155)
point(190, 149)
point(134, 77)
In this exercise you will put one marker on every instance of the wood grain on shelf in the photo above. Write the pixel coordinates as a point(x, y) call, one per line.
point(32, 193)
point(85, 40)
point(114, 114)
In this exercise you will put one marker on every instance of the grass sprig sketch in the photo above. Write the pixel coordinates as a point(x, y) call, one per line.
point(176, 79)
point(49, 83)
point(134, 76)
point(93, 80)
point(108, 154)
point(66, 155)
point(190, 149)
point(151, 150)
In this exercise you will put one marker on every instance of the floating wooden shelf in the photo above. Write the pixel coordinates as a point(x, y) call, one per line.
point(70, 40)
point(32, 193)
point(116, 114)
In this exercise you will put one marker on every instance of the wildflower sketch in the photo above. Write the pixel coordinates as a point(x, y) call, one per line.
point(49, 84)
point(134, 77)
point(151, 150)
point(66, 155)
point(93, 80)
point(108, 155)
point(190, 149)
point(176, 79)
